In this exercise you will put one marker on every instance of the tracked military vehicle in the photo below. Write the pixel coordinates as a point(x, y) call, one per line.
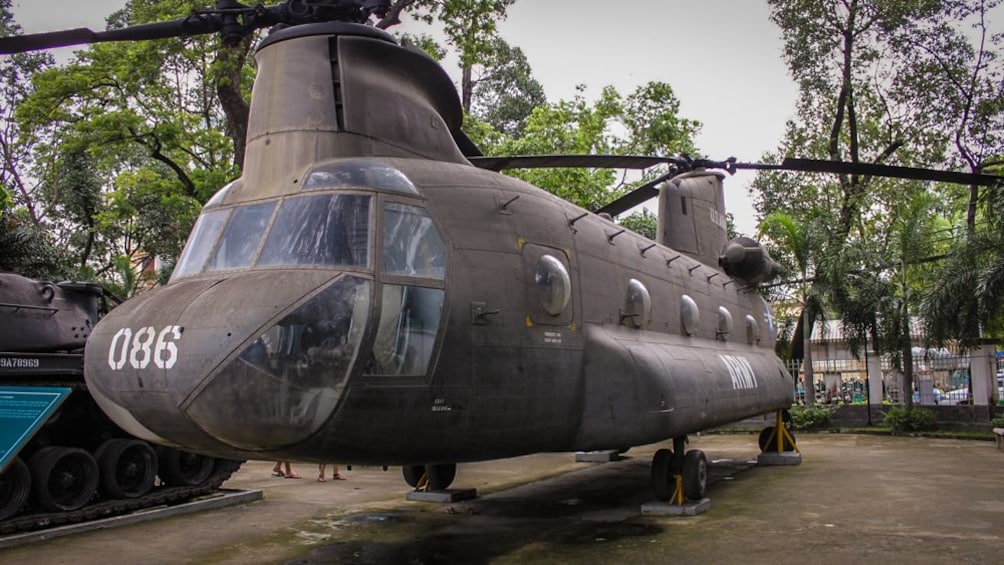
point(62, 459)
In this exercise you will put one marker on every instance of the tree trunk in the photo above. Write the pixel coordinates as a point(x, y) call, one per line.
point(809, 385)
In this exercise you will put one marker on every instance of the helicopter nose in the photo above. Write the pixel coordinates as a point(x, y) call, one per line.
point(254, 361)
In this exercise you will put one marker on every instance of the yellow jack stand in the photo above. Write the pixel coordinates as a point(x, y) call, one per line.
point(780, 447)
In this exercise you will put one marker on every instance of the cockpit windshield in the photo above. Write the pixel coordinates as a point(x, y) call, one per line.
point(320, 229)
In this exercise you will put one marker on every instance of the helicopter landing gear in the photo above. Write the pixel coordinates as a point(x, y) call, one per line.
point(432, 481)
point(679, 482)
point(777, 443)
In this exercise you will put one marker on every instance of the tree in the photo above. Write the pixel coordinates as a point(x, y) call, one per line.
point(795, 244)
point(144, 121)
point(470, 27)
point(505, 93)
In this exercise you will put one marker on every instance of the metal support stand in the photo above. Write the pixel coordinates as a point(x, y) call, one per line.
point(777, 440)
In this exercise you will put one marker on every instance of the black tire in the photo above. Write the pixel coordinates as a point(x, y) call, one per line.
point(413, 474)
point(183, 469)
point(128, 467)
point(63, 478)
point(663, 483)
point(768, 443)
point(441, 476)
point(15, 486)
point(695, 475)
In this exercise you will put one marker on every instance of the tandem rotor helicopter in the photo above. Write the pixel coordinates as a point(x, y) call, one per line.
point(371, 290)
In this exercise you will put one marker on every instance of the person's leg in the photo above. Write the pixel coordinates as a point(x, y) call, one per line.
point(320, 472)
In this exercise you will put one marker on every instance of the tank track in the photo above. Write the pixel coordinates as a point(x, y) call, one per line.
point(159, 496)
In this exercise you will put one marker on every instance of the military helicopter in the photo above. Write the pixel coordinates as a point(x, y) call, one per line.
point(372, 291)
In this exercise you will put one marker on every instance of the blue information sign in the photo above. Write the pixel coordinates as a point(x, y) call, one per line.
point(23, 410)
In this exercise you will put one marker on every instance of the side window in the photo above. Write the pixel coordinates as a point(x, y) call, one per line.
point(406, 333)
point(689, 315)
point(638, 306)
point(200, 243)
point(241, 237)
point(411, 244)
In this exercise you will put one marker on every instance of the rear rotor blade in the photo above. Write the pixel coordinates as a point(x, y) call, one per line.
point(870, 169)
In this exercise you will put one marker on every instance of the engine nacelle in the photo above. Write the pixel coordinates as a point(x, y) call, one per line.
point(744, 258)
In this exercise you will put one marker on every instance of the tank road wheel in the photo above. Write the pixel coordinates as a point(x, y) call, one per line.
point(413, 474)
point(64, 478)
point(183, 469)
point(128, 467)
point(768, 441)
point(15, 485)
point(663, 483)
point(441, 476)
point(695, 475)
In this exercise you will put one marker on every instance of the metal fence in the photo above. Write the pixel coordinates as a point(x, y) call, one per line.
point(940, 378)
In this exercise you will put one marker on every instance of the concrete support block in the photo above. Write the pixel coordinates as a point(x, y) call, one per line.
point(450, 495)
point(778, 459)
point(670, 509)
point(597, 456)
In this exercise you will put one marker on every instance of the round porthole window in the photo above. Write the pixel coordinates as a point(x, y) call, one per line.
point(554, 286)
point(752, 330)
point(724, 323)
point(639, 305)
point(688, 315)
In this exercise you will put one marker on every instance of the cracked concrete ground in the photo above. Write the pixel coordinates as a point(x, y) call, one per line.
point(855, 498)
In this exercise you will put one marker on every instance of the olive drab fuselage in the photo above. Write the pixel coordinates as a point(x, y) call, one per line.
point(364, 294)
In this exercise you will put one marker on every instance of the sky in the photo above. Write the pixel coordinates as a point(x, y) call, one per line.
point(722, 58)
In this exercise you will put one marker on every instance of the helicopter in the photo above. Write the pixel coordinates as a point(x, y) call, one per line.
point(372, 290)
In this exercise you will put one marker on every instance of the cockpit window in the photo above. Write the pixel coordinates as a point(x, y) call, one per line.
point(411, 244)
point(241, 237)
point(200, 243)
point(320, 230)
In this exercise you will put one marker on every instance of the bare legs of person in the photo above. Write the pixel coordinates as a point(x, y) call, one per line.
point(279, 471)
point(334, 473)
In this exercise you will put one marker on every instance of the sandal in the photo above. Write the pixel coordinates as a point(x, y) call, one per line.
point(321, 479)
point(293, 476)
point(278, 474)
point(338, 477)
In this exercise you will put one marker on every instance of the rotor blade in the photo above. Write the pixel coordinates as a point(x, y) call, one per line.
point(844, 168)
point(569, 162)
point(192, 25)
point(636, 196)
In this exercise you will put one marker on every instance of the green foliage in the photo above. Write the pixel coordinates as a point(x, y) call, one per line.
point(807, 418)
point(610, 124)
point(902, 419)
point(997, 422)
point(643, 223)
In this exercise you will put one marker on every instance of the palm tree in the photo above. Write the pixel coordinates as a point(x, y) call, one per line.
point(796, 240)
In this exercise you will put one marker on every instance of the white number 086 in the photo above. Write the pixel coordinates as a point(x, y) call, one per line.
point(146, 344)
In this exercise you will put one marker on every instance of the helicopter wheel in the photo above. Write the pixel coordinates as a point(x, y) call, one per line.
point(182, 469)
point(695, 475)
point(441, 476)
point(413, 474)
point(15, 485)
point(768, 440)
point(64, 478)
point(128, 467)
point(663, 480)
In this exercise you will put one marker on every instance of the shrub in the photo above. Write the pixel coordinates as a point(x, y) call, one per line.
point(814, 417)
point(900, 419)
point(997, 422)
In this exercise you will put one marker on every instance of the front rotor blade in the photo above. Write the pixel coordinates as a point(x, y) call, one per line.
point(569, 162)
point(192, 25)
point(36, 41)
